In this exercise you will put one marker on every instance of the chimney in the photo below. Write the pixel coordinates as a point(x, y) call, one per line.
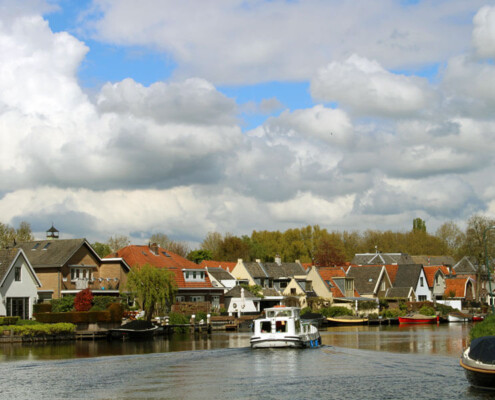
point(278, 260)
point(258, 260)
point(154, 248)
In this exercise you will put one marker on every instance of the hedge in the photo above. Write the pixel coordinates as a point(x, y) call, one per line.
point(40, 329)
point(112, 314)
point(8, 320)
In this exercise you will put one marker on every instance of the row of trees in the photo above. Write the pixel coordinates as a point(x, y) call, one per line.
point(309, 244)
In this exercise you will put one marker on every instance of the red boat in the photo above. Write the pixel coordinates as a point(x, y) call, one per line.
point(477, 318)
point(419, 319)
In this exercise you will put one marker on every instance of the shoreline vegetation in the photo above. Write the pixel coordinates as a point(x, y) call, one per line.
point(483, 328)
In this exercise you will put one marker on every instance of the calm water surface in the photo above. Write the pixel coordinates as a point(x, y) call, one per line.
point(415, 362)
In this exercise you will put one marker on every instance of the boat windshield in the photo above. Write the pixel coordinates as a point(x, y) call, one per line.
point(279, 313)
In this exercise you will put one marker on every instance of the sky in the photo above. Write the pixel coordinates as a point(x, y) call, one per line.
point(130, 118)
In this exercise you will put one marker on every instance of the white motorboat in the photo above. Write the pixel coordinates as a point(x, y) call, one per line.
point(283, 327)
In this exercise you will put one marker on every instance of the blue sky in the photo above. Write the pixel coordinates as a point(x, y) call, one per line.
point(164, 116)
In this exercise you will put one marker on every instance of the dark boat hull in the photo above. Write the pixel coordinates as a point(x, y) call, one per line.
point(479, 378)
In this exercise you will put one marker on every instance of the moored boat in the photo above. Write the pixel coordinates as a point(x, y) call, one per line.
point(478, 361)
point(137, 329)
point(458, 317)
point(477, 318)
point(419, 319)
point(346, 320)
point(283, 327)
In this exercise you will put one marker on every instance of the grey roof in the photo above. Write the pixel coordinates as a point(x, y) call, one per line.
point(7, 257)
point(433, 260)
point(255, 270)
point(407, 275)
point(465, 266)
point(382, 258)
point(220, 274)
point(365, 278)
point(340, 283)
point(398, 292)
point(51, 253)
point(270, 292)
point(283, 270)
point(236, 292)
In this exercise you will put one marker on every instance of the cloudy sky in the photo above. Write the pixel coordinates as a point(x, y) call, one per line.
point(120, 117)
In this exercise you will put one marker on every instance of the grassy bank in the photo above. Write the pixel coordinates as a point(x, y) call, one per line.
point(484, 328)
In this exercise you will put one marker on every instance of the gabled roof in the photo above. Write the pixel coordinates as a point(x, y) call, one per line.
point(219, 273)
point(457, 286)
point(53, 253)
point(255, 270)
point(433, 270)
point(381, 258)
point(408, 275)
point(399, 292)
point(8, 258)
point(136, 255)
point(236, 292)
point(392, 272)
point(283, 270)
point(366, 277)
point(433, 260)
point(465, 266)
point(226, 265)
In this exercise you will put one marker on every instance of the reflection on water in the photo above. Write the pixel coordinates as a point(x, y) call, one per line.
point(443, 339)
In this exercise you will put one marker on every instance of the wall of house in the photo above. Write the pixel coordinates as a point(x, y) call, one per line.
point(234, 304)
point(294, 289)
point(112, 270)
point(319, 286)
point(438, 285)
point(50, 280)
point(26, 287)
point(240, 272)
point(422, 288)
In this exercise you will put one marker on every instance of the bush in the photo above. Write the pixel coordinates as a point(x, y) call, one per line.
point(101, 303)
point(178, 319)
point(64, 304)
point(367, 305)
point(9, 320)
point(306, 310)
point(83, 300)
point(484, 328)
point(427, 310)
point(41, 329)
point(336, 311)
point(392, 313)
point(116, 311)
point(200, 315)
point(444, 309)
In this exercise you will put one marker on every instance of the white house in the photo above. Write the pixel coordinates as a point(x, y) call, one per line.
point(18, 284)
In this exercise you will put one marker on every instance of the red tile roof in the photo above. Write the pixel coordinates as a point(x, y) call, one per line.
point(457, 286)
point(226, 265)
point(392, 272)
point(431, 270)
point(328, 273)
point(141, 255)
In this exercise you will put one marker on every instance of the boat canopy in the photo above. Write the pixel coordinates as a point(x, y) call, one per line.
point(483, 349)
point(282, 312)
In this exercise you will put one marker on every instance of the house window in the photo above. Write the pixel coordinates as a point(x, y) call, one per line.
point(421, 298)
point(293, 291)
point(46, 246)
point(18, 307)
point(348, 284)
point(180, 298)
point(384, 286)
point(17, 274)
point(283, 285)
point(197, 298)
point(194, 276)
point(80, 273)
point(421, 281)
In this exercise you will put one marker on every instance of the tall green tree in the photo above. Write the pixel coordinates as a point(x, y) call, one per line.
point(212, 242)
point(199, 255)
point(153, 287)
point(102, 249)
point(419, 225)
point(453, 237)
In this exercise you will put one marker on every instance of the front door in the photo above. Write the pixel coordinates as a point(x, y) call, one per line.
point(18, 307)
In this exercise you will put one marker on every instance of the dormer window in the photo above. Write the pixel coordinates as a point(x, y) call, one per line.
point(46, 246)
point(36, 246)
point(194, 276)
point(17, 274)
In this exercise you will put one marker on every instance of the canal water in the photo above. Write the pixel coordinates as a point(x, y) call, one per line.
point(392, 362)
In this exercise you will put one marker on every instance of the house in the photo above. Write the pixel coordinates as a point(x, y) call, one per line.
point(193, 282)
point(333, 285)
point(400, 293)
point(275, 275)
point(67, 266)
point(413, 276)
point(239, 301)
point(300, 288)
point(370, 281)
point(220, 277)
point(459, 288)
point(435, 276)
point(18, 284)
point(378, 258)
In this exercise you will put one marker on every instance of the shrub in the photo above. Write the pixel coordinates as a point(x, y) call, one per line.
point(9, 320)
point(484, 328)
point(41, 329)
point(116, 311)
point(306, 310)
point(443, 309)
point(101, 303)
point(392, 313)
point(178, 319)
point(336, 311)
point(427, 310)
point(367, 305)
point(64, 304)
point(83, 300)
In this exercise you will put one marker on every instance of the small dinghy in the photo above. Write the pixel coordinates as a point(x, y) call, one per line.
point(478, 361)
point(283, 327)
point(419, 319)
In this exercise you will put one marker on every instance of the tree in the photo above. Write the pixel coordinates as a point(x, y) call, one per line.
point(199, 255)
point(232, 248)
point(452, 236)
point(180, 248)
point(10, 236)
point(419, 225)
point(329, 252)
point(153, 287)
point(102, 249)
point(117, 242)
point(212, 242)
